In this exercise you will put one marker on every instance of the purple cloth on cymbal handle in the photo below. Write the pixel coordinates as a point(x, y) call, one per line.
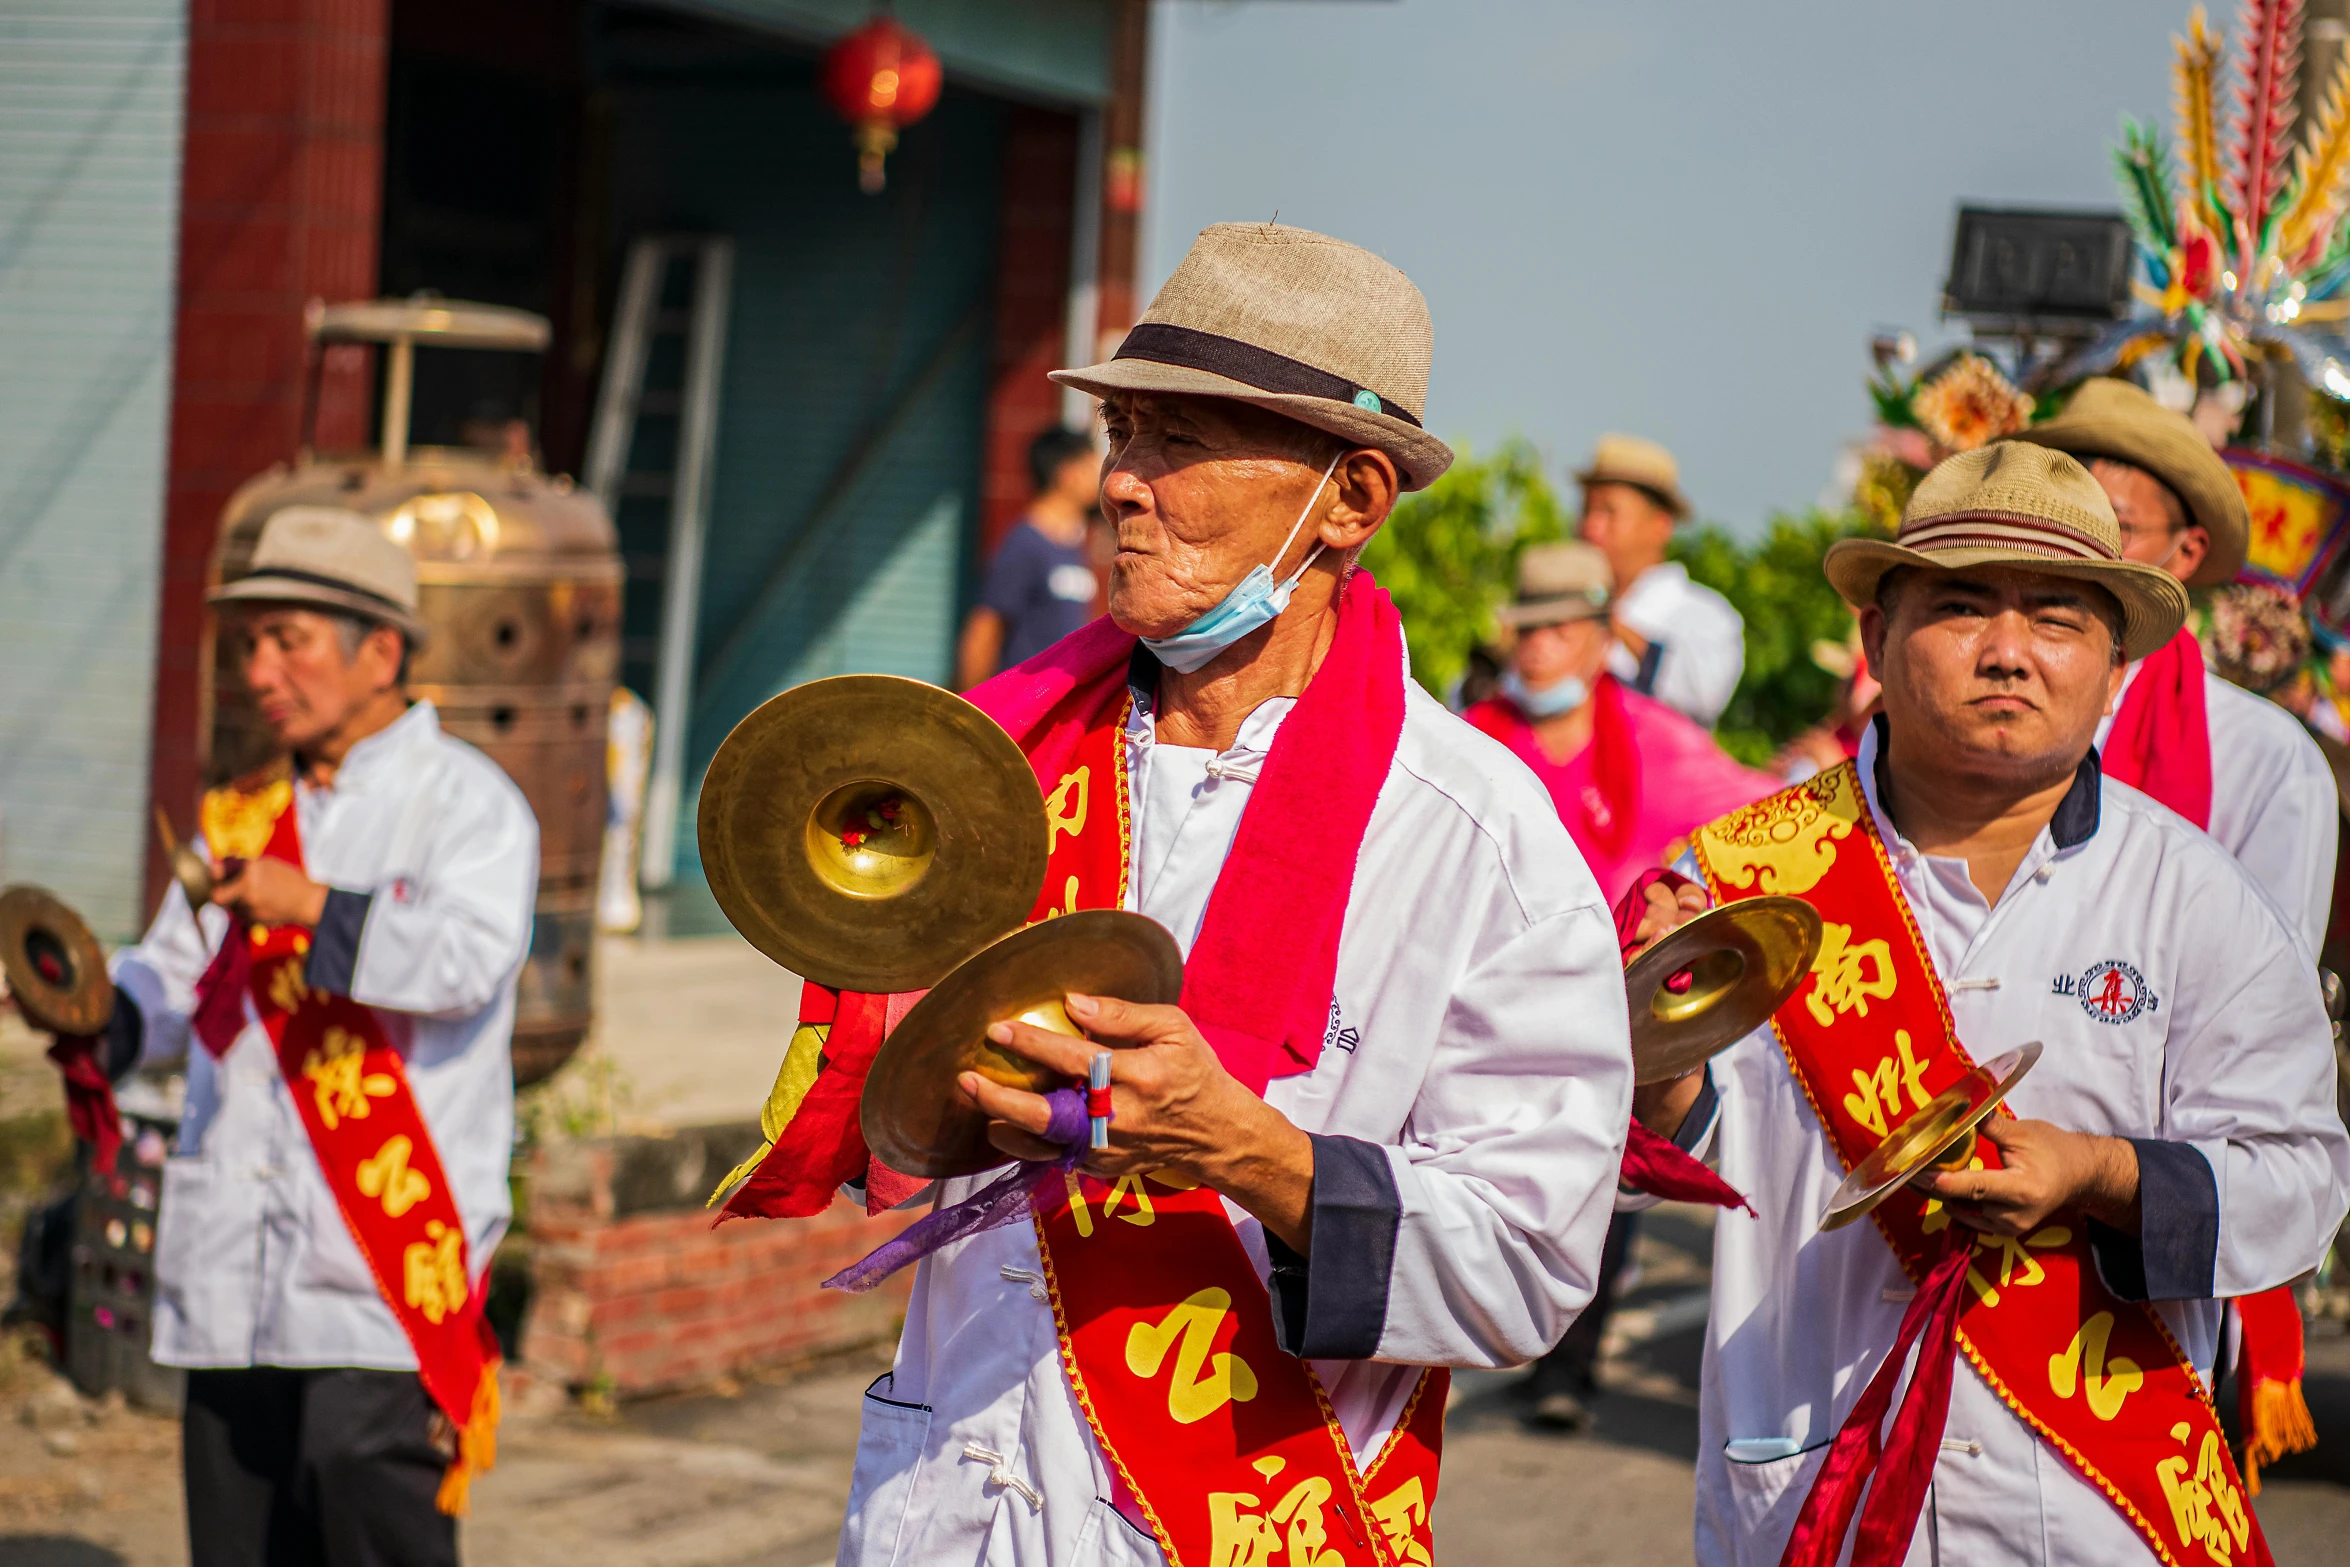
point(1002, 1201)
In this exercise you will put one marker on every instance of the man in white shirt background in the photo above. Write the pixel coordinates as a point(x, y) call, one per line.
point(2249, 774)
point(310, 1435)
point(2179, 1134)
point(1676, 641)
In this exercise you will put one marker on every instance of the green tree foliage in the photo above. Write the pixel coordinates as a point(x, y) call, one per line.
point(1449, 554)
point(1778, 589)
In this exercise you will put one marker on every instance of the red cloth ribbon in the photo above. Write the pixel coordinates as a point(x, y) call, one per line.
point(1902, 1466)
point(1656, 1166)
point(2161, 738)
point(220, 994)
point(2271, 1411)
point(89, 1098)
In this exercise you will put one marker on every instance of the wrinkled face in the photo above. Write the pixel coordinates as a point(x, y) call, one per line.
point(304, 685)
point(1994, 673)
point(1546, 655)
point(1200, 489)
point(2154, 523)
point(1628, 526)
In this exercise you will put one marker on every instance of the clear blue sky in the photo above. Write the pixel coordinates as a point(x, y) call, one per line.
point(1680, 218)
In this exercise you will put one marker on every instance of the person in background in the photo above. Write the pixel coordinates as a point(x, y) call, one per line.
point(1837, 735)
point(2232, 763)
point(1631, 779)
point(1675, 641)
point(1042, 585)
point(343, 1004)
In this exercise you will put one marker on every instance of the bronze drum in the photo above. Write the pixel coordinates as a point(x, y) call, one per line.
point(519, 577)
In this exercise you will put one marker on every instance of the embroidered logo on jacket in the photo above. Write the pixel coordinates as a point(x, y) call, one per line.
point(1339, 1034)
point(2110, 991)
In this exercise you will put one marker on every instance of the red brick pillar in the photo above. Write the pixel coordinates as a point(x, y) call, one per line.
point(281, 197)
point(1122, 174)
point(1031, 308)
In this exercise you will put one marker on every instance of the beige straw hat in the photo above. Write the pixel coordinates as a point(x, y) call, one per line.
point(2115, 420)
point(1558, 583)
point(1297, 322)
point(2016, 504)
point(1627, 459)
point(325, 557)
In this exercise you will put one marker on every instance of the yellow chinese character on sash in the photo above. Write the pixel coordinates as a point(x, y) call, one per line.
point(1130, 1186)
point(1068, 901)
point(1246, 1539)
point(1400, 1514)
point(1064, 808)
point(1876, 1099)
point(2018, 1268)
point(339, 1080)
point(387, 1176)
point(1849, 973)
point(2104, 1383)
point(1201, 1384)
point(2207, 1507)
point(432, 1272)
point(1236, 1538)
point(286, 990)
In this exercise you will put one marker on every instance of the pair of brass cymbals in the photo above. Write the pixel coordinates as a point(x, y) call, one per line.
point(56, 969)
point(878, 834)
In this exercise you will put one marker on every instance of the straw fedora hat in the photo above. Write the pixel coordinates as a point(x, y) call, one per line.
point(1300, 323)
point(2013, 503)
point(325, 557)
point(1627, 459)
point(2114, 419)
point(1558, 583)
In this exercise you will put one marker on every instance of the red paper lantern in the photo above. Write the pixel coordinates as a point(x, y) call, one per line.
point(882, 78)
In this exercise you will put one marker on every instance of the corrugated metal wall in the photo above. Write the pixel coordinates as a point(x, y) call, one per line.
point(90, 100)
point(856, 374)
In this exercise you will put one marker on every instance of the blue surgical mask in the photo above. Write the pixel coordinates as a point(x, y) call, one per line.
point(1548, 702)
point(1254, 601)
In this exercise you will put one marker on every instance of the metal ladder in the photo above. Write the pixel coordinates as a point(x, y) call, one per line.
point(623, 405)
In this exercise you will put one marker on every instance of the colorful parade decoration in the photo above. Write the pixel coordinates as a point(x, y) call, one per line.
point(2244, 249)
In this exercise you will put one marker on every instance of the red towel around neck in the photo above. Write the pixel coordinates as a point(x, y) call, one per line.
point(2161, 739)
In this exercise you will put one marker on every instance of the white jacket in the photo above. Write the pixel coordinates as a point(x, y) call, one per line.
point(433, 854)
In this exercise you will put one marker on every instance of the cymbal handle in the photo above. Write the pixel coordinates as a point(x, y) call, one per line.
point(1097, 1101)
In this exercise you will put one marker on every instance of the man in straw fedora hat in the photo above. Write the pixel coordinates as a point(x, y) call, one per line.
point(1983, 888)
point(1676, 640)
point(2238, 766)
point(342, 1004)
point(1380, 1134)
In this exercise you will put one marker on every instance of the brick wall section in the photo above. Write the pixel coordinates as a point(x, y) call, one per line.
point(632, 1284)
point(281, 202)
point(1031, 308)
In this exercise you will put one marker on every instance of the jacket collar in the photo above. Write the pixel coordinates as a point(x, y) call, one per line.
point(387, 750)
point(2077, 814)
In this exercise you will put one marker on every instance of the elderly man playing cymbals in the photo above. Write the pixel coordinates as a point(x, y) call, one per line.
point(1379, 1135)
point(1987, 892)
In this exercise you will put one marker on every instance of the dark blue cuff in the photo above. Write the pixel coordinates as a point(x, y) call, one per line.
point(2175, 1253)
point(334, 945)
point(1700, 1118)
point(118, 1050)
point(1333, 1304)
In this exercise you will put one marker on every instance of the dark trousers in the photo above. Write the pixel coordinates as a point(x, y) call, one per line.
point(1573, 1366)
point(331, 1468)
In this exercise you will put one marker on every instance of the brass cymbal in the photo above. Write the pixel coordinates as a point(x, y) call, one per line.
point(913, 1119)
point(869, 832)
point(1743, 960)
point(187, 866)
point(56, 969)
point(1939, 1136)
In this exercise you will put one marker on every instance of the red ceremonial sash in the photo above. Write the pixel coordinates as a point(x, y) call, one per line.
point(351, 1089)
point(1227, 1442)
point(1869, 1038)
